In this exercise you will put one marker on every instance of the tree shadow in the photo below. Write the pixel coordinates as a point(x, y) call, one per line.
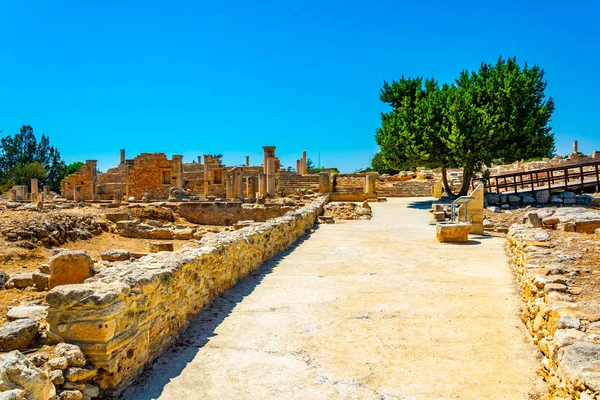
point(421, 205)
point(158, 373)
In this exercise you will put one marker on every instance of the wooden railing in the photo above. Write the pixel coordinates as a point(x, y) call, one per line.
point(569, 177)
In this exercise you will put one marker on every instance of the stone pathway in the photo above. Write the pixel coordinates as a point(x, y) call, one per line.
point(360, 310)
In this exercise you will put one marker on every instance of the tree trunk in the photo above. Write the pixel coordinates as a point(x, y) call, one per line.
point(447, 187)
point(467, 175)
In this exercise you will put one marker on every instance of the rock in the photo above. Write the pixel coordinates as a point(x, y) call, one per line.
point(59, 363)
point(40, 280)
point(514, 199)
point(365, 204)
point(494, 209)
point(15, 394)
point(70, 395)
point(72, 353)
point(44, 269)
point(56, 376)
point(556, 199)
point(36, 313)
point(4, 278)
point(585, 199)
point(541, 237)
point(492, 199)
point(70, 267)
point(76, 374)
point(569, 197)
point(115, 255)
point(580, 360)
point(155, 247)
point(183, 234)
point(566, 337)
point(91, 390)
point(535, 220)
point(39, 359)
point(542, 196)
point(22, 280)
point(527, 198)
point(117, 216)
point(18, 335)
point(18, 373)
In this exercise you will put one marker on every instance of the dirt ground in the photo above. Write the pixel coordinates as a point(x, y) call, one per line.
point(361, 310)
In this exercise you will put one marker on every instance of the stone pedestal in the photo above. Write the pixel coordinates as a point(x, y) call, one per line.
point(475, 210)
point(370, 182)
point(77, 194)
point(46, 190)
point(12, 194)
point(34, 186)
point(452, 231)
point(21, 192)
point(324, 183)
point(262, 184)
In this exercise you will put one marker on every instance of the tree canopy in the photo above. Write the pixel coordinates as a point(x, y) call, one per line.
point(23, 157)
point(499, 113)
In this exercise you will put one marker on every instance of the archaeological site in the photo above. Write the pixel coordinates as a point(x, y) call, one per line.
point(267, 283)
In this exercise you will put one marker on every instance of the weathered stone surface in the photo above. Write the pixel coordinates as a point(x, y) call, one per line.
point(15, 394)
point(76, 374)
point(542, 196)
point(56, 376)
point(22, 280)
point(69, 267)
point(183, 234)
point(39, 359)
point(91, 390)
point(18, 373)
point(569, 197)
point(17, 335)
point(27, 312)
point(579, 360)
point(117, 216)
point(587, 226)
point(72, 353)
point(59, 363)
point(70, 395)
point(115, 255)
point(40, 280)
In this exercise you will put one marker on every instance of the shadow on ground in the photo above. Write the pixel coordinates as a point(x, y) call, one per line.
point(157, 374)
point(421, 205)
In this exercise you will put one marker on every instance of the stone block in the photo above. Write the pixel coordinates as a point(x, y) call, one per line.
point(439, 216)
point(514, 199)
point(72, 353)
point(18, 335)
point(492, 199)
point(542, 196)
point(587, 226)
point(17, 373)
point(69, 267)
point(22, 280)
point(115, 255)
point(155, 247)
point(40, 280)
point(453, 232)
point(36, 313)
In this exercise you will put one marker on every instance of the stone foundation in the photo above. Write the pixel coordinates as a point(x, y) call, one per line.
point(129, 314)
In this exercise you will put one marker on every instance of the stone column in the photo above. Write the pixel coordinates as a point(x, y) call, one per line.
point(122, 156)
point(207, 177)
point(177, 165)
point(46, 190)
point(575, 147)
point(77, 194)
point(370, 182)
point(475, 210)
point(251, 187)
point(262, 184)
point(270, 169)
point(228, 188)
point(247, 161)
point(21, 192)
point(238, 184)
point(303, 162)
point(324, 182)
point(34, 190)
point(93, 164)
point(12, 194)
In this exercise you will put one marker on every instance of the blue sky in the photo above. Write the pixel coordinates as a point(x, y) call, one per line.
point(195, 77)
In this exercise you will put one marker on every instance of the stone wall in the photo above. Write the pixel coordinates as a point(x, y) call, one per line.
point(349, 183)
point(227, 213)
point(81, 178)
point(393, 187)
point(128, 314)
point(146, 176)
point(566, 332)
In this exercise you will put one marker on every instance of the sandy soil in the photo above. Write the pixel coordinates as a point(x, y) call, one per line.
point(360, 310)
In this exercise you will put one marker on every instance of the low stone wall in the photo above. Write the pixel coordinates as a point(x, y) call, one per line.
point(128, 314)
point(351, 196)
point(566, 332)
point(393, 187)
point(349, 183)
point(227, 213)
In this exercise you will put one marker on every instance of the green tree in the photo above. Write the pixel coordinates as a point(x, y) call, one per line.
point(23, 174)
point(73, 168)
point(378, 164)
point(22, 149)
point(311, 169)
point(498, 114)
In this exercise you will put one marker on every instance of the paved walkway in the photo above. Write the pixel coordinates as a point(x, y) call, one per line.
point(360, 310)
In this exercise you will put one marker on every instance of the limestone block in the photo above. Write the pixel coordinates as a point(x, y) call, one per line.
point(453, 232)
point(17, 373)
point(155, 247)
point(72, 353)
point(115, 255)
point(40, 280)
point(18, 335)
point(4, 278)
point(22, 280)
point(27, 312)
point(587, 226)
point(69, 267)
